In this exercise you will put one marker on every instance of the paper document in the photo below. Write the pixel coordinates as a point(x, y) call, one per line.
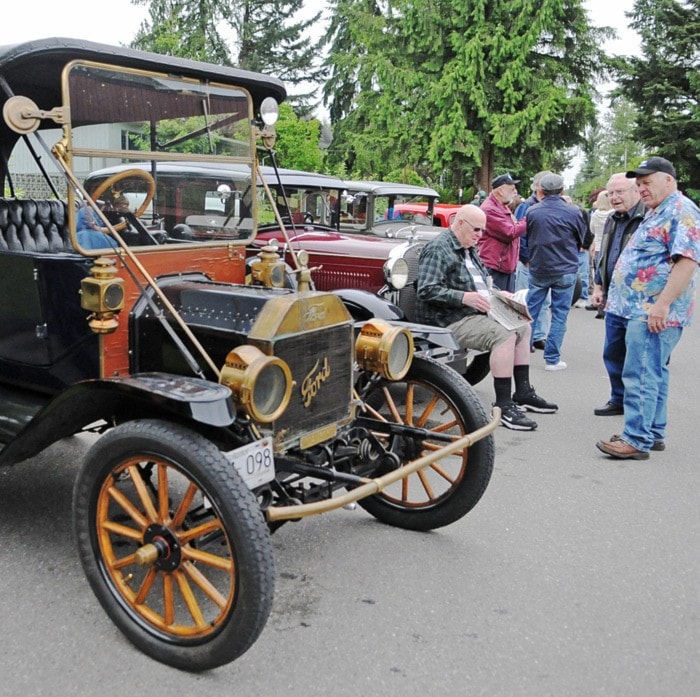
point(508, 311)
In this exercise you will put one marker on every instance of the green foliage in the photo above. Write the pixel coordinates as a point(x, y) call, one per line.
point(267, 37)
point(272, 40)
point(184, 28)
point(405, 175)
point(664, 84)
point(297, 141)
point(464, 85)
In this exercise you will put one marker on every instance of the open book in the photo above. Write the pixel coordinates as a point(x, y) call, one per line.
point(508, 310)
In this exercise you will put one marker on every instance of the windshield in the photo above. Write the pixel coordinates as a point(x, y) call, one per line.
point(126, 125)
point(299, 205)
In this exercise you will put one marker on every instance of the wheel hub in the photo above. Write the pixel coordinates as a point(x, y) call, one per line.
point(160, 548)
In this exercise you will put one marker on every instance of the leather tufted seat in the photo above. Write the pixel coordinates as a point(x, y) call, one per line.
point(28, 225)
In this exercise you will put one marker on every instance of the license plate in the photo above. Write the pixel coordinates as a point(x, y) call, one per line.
point(255, 462)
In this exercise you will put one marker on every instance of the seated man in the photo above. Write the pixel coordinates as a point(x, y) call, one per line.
point(453, 291)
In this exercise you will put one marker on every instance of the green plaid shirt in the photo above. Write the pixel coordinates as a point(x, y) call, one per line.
point(443, 278)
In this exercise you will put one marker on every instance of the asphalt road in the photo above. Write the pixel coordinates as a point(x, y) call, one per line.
point(575, 575)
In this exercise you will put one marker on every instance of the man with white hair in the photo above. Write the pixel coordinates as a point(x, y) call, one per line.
point(653, 293)
point(628, 212)
point(453, 291)
point(499, 247)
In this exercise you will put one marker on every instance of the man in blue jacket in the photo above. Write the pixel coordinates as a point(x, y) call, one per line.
point(555, 233)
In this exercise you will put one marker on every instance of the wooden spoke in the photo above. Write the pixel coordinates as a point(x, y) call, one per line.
point(128, 507)
point(185, 504)
point(146, 586)
point(163, 495)
point(204, 529)
point(426, 484)
point(429, 407)
point(168, 599)
point(190, 601)
point(143, 493)
point(122, 530)
point(207, 558)
point(410, 394)
point(391, 405)
point(207, 587)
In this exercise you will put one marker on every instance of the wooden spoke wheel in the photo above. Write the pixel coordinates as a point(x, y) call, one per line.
point(174, 544)
point(433, 397)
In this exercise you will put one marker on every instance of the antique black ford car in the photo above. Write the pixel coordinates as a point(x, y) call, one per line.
point(222, 409)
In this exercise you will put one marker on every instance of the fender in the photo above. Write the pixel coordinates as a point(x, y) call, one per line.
point(121, 399)
point(363, 305)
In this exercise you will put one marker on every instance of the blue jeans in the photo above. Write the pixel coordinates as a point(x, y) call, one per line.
point(584, 271)
point(541, 327)
point(503, 281)
point(561, 289)
point(645, 377)
point(614, 352)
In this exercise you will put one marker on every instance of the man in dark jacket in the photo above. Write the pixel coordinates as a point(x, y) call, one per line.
point(555, 233)
point(500, 246)
point(619, 227)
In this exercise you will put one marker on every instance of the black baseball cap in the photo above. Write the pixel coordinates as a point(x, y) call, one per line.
point(502, 179)
point(651, 165)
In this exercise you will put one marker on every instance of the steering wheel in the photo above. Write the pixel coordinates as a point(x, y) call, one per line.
point(127, 174)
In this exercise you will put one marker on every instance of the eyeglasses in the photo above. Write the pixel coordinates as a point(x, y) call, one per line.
point(476, 229)
point(619, 192)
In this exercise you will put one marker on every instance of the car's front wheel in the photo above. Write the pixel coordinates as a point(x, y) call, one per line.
point(174, 544)
point(439, 402)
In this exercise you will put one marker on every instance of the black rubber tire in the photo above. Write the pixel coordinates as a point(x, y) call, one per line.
point(449, 489)
point(478, 368)
point(228, 548)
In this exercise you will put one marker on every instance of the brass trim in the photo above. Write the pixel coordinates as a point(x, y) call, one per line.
point(374, 486)
point(308, 440)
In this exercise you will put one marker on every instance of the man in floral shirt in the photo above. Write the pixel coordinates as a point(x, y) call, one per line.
point(653, 292)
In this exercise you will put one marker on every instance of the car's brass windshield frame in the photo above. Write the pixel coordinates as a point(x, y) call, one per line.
point(199, 89)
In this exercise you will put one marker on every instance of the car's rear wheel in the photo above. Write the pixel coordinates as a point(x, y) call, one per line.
point(174, 544)
point(435, 398)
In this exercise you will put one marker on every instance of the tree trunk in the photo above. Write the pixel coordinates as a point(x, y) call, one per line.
point(484, 174)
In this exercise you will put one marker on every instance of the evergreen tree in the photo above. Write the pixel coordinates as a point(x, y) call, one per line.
point(619, 149)
point(267, 37)
point(272, 39)
point(184, 28)
point(664, 83)
point(470, 85)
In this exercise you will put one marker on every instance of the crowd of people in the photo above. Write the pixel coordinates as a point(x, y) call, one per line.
point(643, 239)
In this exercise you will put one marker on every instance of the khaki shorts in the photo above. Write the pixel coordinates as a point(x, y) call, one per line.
point(482, 333)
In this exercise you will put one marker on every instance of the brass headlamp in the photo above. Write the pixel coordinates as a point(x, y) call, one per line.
point(384, 348)
point(102, 294)
point(261, 385)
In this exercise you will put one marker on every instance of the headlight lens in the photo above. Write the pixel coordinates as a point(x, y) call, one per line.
point(384, 348)
point(269, 111)
point(396, 273)
point(261, 385)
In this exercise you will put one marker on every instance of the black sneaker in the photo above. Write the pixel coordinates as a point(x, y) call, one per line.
point(531, 401)
point(513, 418)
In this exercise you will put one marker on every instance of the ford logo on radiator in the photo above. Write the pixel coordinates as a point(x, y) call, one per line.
point(313, 380)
